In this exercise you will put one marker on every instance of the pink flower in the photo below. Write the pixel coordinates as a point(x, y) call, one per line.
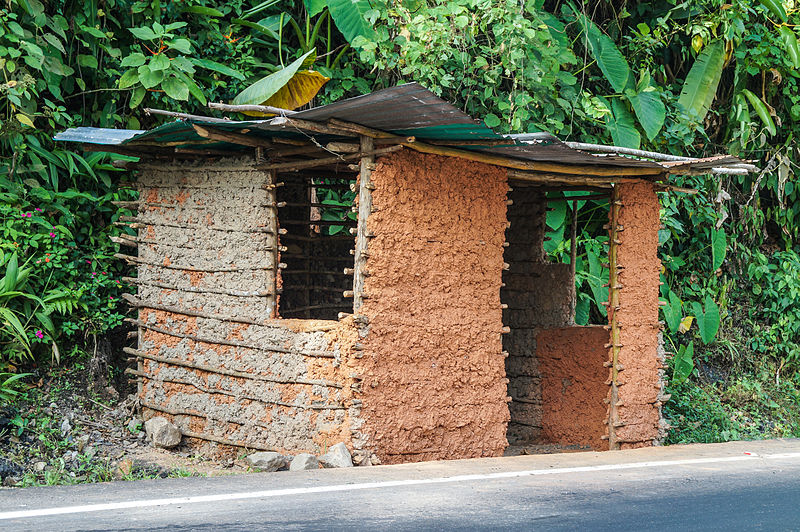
point(38, 209)
point(28, 214)
point(110, 298)
point(39, 334)
point(88, 262)
point(52, 235)
point(93, 274)
point(104, 273)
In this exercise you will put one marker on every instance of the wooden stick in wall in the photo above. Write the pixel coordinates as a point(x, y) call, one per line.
point(613, 321)
point(228, 372)
point(365, 188)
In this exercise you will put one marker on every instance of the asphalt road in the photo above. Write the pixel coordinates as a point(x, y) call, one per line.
point(737, 486)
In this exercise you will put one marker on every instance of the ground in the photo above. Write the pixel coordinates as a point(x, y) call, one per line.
point(62, 432)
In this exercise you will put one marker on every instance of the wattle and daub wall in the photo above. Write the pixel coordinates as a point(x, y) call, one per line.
point(210, 357)
point(420, 374)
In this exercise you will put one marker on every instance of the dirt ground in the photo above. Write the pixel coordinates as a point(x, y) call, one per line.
point(64, 433)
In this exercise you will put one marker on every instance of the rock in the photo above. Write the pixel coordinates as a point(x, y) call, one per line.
point(135, 425)
point(337, 456)
point(39, 466)
point(91, 451)
point(267, 460)
point(162, 433)
point(66, 426)
point(304, 461)
point(9, 468)
point(124, 469)
point(10, 482)
point(81, 442)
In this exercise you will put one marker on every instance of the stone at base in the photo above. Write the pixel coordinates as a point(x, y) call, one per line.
point(304, 461)
point(337, 456)
point(162, 433)
point(267, 461)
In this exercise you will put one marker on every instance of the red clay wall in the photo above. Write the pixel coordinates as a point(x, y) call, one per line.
point(573, 387)
point(639, 381)
point(433, 373)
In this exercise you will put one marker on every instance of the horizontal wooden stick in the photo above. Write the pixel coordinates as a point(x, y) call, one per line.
point(136, 260)
point(232, 394)
point(567, 179)
point(320, 238)
point(230, 136)
point(228, 229)
point(185, 116)
point(344, 304)
point(123, 241)
point(324, 223)
point(231, 343)
point(266, 109)
point(196, 290)
point(327, 160)
point(313, 288)
point(137, 303)
point(579, 198)
point(227, 372)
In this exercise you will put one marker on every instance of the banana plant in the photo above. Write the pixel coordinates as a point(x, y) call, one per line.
point(288, 88)
point(642, 96)
point(701, 83)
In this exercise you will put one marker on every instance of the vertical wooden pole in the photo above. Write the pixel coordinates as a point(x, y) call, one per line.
point(573, 245)
point(140, 234)
point(272, 199)
point(613, 306)
point(364, 209)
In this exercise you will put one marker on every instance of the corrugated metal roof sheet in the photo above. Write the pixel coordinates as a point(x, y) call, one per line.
point(405, 110)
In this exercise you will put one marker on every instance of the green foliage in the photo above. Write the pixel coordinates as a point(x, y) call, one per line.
point(701, 83)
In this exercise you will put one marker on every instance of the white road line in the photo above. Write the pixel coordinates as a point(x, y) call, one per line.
point(375, 485)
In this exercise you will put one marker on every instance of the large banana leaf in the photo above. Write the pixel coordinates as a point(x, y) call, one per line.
point(608, 57)
point(622, 127)
point(650, 111)
point(790, 42)
point(761, 110)
point(287, 88)
point(349, 16)
point(301, 88)
point(701, 84)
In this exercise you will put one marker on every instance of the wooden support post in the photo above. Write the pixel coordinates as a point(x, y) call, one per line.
point(365, 188)
point(613, 305)
point(573, 244)
point(272, 197)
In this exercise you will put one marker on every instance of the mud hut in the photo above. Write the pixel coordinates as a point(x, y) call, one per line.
point(372, 272)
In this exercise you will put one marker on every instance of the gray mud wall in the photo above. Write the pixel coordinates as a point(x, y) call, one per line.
point(212, 359)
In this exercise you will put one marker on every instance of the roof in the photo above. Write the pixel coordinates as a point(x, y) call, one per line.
point(408, 110)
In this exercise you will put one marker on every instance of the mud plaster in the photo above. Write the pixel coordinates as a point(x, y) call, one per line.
point(216, 217)
point(433, 374)
point(641, 355)
point(573, 385)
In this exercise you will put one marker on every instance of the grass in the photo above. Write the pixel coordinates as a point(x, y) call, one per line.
point(746, 408)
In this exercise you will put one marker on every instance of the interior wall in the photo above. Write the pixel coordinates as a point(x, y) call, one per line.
point(573, 375)
point(539, 295)
point(211, 359)
point(432, 367)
